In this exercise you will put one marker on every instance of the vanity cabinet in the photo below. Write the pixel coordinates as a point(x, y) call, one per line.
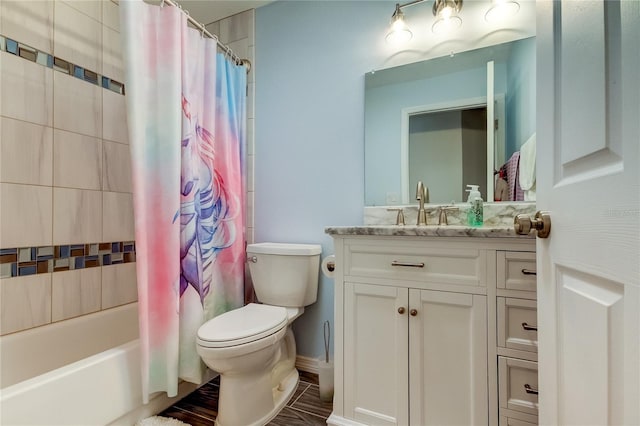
point(403, 338)
point(419, 339)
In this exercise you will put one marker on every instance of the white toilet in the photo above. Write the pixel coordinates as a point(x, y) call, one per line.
point(253, 347)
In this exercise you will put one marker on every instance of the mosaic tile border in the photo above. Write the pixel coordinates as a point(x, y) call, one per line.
point(34, 55)
point(23, 261)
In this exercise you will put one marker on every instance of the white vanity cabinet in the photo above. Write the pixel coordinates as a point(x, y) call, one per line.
point(403, 338)
point(416, 330)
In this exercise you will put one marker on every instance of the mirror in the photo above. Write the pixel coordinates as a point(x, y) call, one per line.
point(428, 121)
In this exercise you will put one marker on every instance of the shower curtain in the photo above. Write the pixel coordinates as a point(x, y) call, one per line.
point(186, 118)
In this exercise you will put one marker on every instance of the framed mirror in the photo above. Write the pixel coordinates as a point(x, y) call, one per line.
point(449, 121)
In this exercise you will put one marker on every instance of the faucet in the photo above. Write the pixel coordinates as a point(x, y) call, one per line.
point(422, 195)
point(442, 217)
point(400, 217)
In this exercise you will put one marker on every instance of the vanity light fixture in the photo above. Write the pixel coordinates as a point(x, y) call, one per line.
point(446, 12)
point(447, 17)
point(399, 32)
point(501, 9)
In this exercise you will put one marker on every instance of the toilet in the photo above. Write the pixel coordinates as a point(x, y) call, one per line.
point(253, 347)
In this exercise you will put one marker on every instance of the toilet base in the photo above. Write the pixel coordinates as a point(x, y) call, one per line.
point(280, 395)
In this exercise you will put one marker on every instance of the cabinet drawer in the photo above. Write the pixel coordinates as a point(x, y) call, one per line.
point(518, 385)
point(517, 324)
point(438, 265)
point(516, 270)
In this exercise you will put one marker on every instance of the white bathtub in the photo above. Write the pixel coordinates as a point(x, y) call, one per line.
point(84, 371)
point(36, 351)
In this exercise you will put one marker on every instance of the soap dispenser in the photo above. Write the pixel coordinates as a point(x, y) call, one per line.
point(475, 211)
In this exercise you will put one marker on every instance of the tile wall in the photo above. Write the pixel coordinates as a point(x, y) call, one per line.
point(66, 207)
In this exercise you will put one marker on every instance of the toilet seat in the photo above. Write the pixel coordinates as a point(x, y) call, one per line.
point(243, 325)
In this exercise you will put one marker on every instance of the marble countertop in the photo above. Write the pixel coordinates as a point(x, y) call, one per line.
point(427, 231)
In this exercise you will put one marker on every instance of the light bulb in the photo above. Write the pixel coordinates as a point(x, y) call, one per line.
point(446, 12)
point(399, 36)
point(399, 32)
point(398, 25)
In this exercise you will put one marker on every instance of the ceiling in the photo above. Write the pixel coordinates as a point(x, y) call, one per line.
point(208, 11)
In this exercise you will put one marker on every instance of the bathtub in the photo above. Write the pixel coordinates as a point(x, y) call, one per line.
point(82, 371)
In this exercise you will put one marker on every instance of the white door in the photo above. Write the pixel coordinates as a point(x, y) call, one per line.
point(588, 114)
point(447, 358)
point(375, 354)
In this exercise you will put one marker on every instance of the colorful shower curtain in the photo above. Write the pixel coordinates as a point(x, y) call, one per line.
point(186, 117)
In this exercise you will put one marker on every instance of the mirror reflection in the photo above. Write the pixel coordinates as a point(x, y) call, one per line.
point(448, 147)
point(431, 121)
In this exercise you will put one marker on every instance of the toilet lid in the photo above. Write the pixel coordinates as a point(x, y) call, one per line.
point(243, 325)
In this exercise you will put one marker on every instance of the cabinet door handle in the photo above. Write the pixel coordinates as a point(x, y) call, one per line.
point(409, 264)
point(528, 272)
point(529, 327)
point(413, 312)
point(401, 310)
point(529, 389)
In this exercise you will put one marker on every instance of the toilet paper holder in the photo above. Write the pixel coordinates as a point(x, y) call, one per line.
point(331, 266)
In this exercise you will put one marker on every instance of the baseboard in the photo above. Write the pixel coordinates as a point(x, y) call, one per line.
point(335, 420)
point(304, 363)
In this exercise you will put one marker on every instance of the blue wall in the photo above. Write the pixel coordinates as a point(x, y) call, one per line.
point(311, 57)
point(310, 63)
point(521, 99)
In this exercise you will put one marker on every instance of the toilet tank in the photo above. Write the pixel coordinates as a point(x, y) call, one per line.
point(285, 274)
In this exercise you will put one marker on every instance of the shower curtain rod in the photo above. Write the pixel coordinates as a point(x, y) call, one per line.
point(202, 28)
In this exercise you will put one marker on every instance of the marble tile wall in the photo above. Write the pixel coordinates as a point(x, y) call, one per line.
point(65, 178)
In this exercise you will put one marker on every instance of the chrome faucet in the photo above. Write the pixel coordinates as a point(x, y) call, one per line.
point(422, 195)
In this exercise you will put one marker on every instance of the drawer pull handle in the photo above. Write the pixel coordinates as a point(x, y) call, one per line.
point(529, 389)
point(413, 312)
point(529, 327)
point(401, 310)
point(528, 272)
point(409, 264)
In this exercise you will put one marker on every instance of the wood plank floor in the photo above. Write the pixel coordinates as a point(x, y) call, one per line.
point(200, 408)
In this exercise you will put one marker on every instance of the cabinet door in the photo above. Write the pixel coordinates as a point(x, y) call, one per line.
point(375, 354)
point(447, 358)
